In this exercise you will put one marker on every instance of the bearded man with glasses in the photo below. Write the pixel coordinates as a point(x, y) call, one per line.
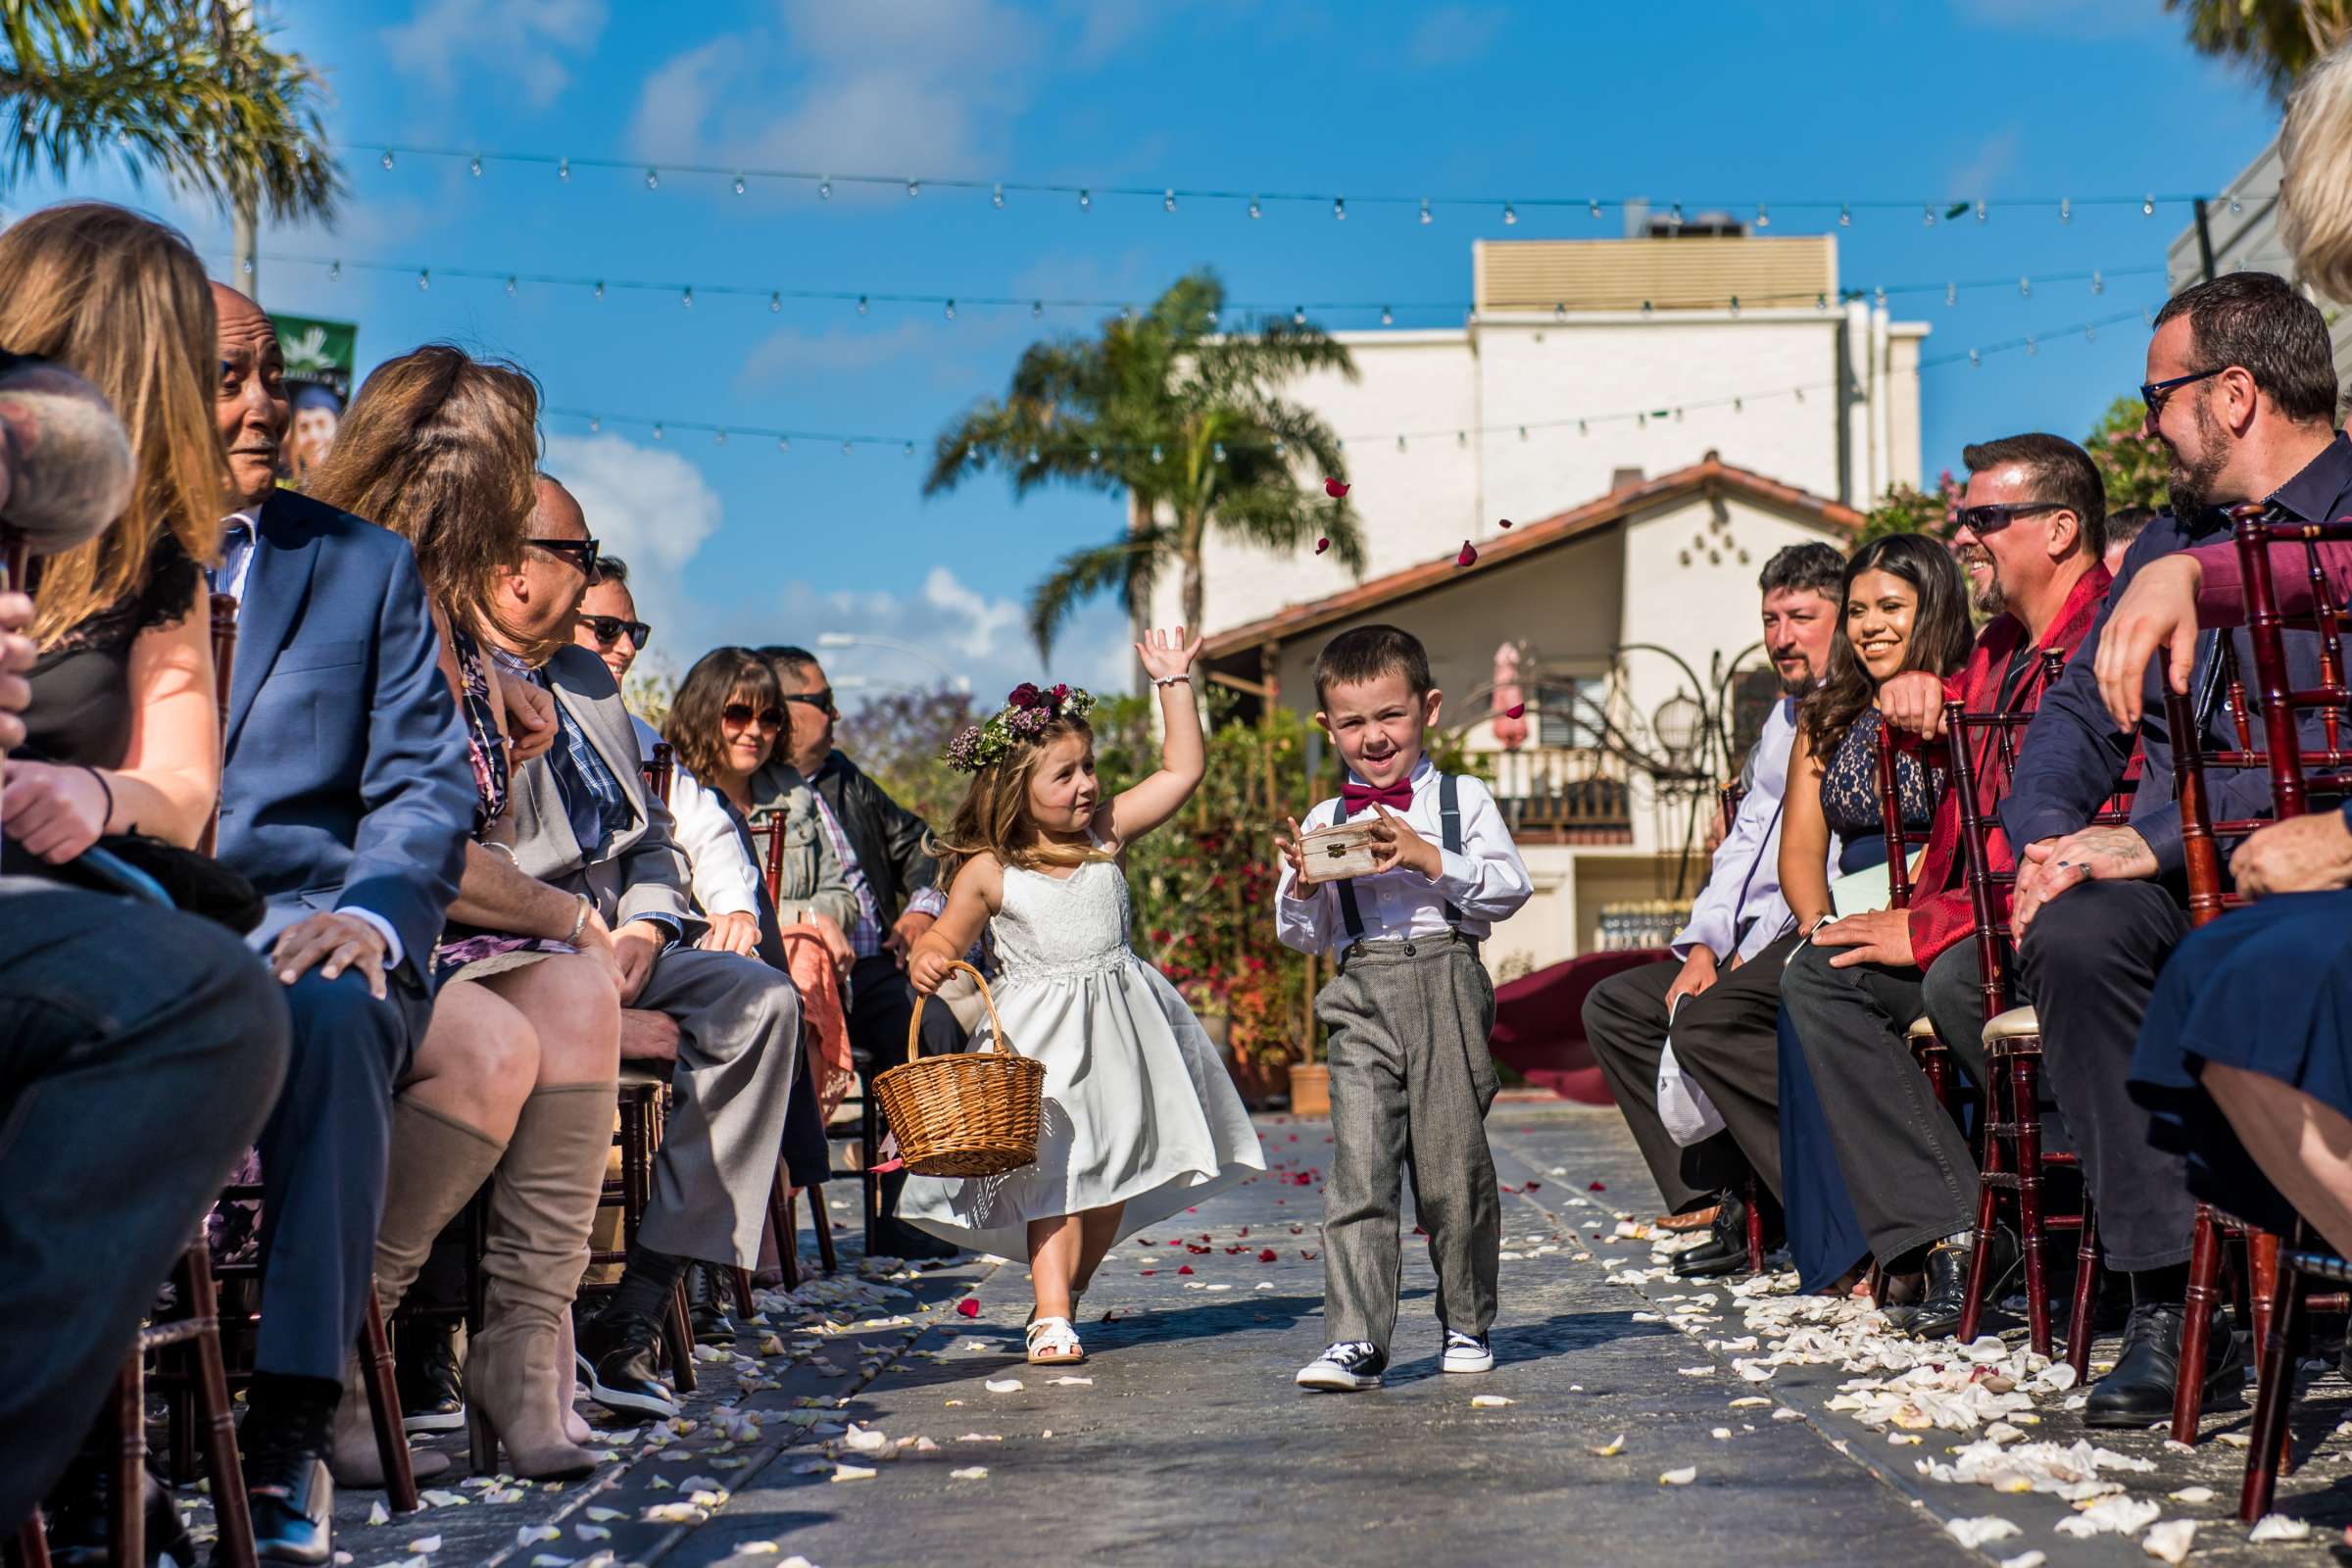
point(2241, 390)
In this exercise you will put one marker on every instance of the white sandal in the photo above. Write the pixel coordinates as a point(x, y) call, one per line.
point(1054, 1342)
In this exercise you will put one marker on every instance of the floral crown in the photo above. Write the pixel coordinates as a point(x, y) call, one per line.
point(1027, 712)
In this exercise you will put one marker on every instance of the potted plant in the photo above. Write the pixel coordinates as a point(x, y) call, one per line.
point(1310, 1084)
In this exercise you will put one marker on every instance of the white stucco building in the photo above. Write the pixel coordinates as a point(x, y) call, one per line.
point(2241, 224)
point(1711, 435)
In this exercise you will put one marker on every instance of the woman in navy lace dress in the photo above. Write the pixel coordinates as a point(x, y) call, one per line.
point(1906, 609)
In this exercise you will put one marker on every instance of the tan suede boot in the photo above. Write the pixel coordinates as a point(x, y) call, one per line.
point(437, 1163)
point(541, 1204)
point(568, 1375)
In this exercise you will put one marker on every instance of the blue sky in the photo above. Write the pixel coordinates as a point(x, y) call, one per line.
point(1697, 103)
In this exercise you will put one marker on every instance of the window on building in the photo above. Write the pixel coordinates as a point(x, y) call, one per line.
point(1570, 710)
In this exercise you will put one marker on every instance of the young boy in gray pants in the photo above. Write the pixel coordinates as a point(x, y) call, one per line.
point(1407, 1009)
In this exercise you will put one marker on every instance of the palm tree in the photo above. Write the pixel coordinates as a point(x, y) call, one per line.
point(1185, 419)
point(188, 89)
point(2276, 39)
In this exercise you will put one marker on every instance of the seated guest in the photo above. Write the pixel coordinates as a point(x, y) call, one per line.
point(139, 1047)
point(586, 824)
point(896, 883)
point(2029, 533)
point(2123, 527)
point(512, 1082)
point(1720, 990)
point(2242, 394)
point(725, 723)
point(607, 627)
point(1903, 612)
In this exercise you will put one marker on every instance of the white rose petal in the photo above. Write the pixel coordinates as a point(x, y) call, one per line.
point(1002, 1385)
point(2170, 1540)
point(1975, 1533)
point(1678, 1478)
point(376, 1513)
point(1488, 1401)
point(1614, 1447)
point(853, 1472)
point(977, 1472)
point(2026, 1559)
point(2279, 1526)
point(426, 1544)
point(2192, 1494)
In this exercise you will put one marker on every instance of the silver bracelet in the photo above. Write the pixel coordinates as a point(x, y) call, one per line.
point(579, 923)
point(507, 850)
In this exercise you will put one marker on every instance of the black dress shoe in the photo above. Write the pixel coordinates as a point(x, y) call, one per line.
point(620, 1361)
point(2139, 1391)
point(709, 1319)
point(1725, 1251)
point(432, 1387)
point(1939, 1314)
point(292, 1499)
point(82, 1519)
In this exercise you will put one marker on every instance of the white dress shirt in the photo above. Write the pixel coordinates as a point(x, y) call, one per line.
point(726, 881)
point(1741, 909)
point(1485, 880)
point(241, 536)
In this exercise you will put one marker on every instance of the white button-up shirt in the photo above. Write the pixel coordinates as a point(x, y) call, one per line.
point(1485, 880)
point(1740, 909)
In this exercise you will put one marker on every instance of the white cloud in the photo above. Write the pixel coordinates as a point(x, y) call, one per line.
point(523, 40)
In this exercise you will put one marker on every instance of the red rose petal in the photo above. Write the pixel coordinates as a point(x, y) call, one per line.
point(1468, 556)
point(969, 1307)
point(1334, 489)
point(1186, 1270)
point(1597, 1187)
point(1245, 1230)
point(1149, 1272)
point(1267, 1257)
point(1322, 545)
point(1515, 710)
point(1504, 523)
point(1533, 1186)
point(1509, 1187)
point(889, 1165)
point(1309, 1256)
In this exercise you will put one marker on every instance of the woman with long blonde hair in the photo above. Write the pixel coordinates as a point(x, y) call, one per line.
point(515, 1077)
point(122, 732)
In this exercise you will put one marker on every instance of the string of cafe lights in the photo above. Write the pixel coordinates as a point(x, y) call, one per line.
point(908, 446)
point(514, 280)
point(1171, 198)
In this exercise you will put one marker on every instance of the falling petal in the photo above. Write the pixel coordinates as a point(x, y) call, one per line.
point(1468, 556)
point(1503, 522)
point(1334, 489)
point(1516, 710)
point(969, 1307)
point(1322, 545)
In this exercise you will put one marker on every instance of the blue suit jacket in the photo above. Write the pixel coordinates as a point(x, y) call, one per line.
point(346, 779)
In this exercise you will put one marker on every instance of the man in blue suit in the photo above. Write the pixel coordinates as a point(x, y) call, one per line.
point(347, 798)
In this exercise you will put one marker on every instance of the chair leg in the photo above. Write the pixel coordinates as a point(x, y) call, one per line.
point(678, 1336)
point(383, 1411)
point(2266, 1450)
point(2196, 1324)
point(127, 1540)
point(870, 1154)
point(33, 1543)
point(745, 1307)
point(2262, 1269)
point(2086, 1293)
point(228, 1477)
point(1980, 1258)
point(820, 1220)
point(780, 1221)
point(1755, 1226)
point(2024, 1071)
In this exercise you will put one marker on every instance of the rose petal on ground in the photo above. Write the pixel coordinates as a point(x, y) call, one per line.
point(592, 1531)
point(426, 1544)
point(977, 1472)
point(1072, 1382)
point(969, 1307)
point(530, 1533)
point(1002, 1385)
point(1595, 1187)
point(2026, 1559)
point(2170, 1541)
point(2279, 1526)
point(1611, 1449)
point(1488, 1401)
point(1975, 1533)
point(1267, 1255)
point(1185, 1269)
point(1677, 1477)
point(377, 1514)
point(2192, 1494)
point(853, 1472)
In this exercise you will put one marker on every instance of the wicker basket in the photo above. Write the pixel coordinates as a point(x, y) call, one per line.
point(974, 1114)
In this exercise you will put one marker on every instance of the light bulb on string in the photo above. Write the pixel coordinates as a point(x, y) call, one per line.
point(425, 279)
point(564, 169)
point(1401, 443)
point(718, 438)
point(783, 443)
point(2031, 350)
point(248, 265)
point(1510, 215)
point(2147, 206)
point(686, 297)
point(1979, 209)
point(1388, 318)
point(595, 424)
point(1037, 309)
point(1646, 308)
point(1800, 393)
point(1878, 296)
point(951, 310)
point(824, 187)
point(1763, 218)
point(1254, 210)
point(2024, 288)
point(1278, 446)
point(1156, 452)
point(1735, 304)
point(2066, 210)
point(1975, 362)
point(600, 288)
point(1338, 209)
point(1033, 457)
point(1461, 438)
point(1217, 451)
point(740, 185)
point(1425, 215)
point(1559, 313)
point(1641, 421)
point(2091, 334)
point(2237, 206)
point(1094, 453)
point(1593, 207)
point(1927, 217)
point(509, 286)
point(1737, 406)
point(1211, 319)
point(1127, 313)
point(474, 166)
point(1086, 201)
point(1821, 302)
point(910, 450)
point(657, 431)
point(915, 188)
point(335, 272)
point(1951, 293)
point(1299, 316)
point(1523, 432)
point(995, 196)
point(775, 302)
point(1168, 201)
point(1845, 216)
point(2098, 284)
point(387, 160)
point(844, 449)
point(861, 305)
point(653, 179)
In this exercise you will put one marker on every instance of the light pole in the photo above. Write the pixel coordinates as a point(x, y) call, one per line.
point(846, 639)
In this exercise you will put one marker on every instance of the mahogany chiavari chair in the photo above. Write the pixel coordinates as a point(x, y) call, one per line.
point(2278, 1276)
point(767, 843)
point(1752, 1190)
point(1933, 1056)
point(1983, 753)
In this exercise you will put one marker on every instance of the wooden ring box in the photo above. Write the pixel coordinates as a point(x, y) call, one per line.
point(1337, 854)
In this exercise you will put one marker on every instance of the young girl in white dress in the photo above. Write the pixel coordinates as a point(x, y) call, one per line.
point(1141, 1119)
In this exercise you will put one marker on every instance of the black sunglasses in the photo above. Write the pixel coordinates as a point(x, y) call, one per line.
point(742, 713)
point(581, 552)
point(2155, 393)
point(820, 699)
point(607, 630)
point(1999, 515)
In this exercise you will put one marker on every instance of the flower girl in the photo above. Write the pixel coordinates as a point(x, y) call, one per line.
point(1141, 1119)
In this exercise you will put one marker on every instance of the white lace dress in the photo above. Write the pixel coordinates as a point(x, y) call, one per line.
point(1137, 1106)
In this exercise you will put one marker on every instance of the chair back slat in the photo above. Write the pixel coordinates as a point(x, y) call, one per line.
point(659, 770)
point(1890, 820)
point(223, 609)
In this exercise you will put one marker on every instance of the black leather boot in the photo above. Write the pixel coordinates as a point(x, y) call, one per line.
point(709, 1319)
point(81, 1518)
point(2139, 1391)
point(1938, 1312)
point(292, 1498)
point(432, 1387)
point(620, 1359)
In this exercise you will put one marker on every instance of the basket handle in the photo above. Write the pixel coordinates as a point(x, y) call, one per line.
point(995, 1025)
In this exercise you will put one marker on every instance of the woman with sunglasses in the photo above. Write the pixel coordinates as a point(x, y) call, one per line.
point(727, 722)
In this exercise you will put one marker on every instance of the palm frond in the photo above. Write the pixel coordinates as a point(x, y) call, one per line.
point(1126, 564)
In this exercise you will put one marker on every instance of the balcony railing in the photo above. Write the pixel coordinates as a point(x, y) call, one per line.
point(1563, 795)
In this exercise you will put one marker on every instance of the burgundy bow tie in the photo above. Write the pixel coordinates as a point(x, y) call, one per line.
point(1397, 797)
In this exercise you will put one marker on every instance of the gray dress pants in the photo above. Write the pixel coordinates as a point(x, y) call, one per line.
point(1411, 1086)
point(739, 1045)
point(1725, 1039)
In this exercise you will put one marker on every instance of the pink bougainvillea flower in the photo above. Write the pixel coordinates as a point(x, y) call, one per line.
point(1334, 489)
point(1597, 1187)
point(969, 1307)
point(1267, 1257)
point(1322, 545)
point(1468, 556)
point(1515, 710)
point(1186, 1270)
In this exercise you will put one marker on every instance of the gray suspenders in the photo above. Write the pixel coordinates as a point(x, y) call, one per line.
point(1449, 836)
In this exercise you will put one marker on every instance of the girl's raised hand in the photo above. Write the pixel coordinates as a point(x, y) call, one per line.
point(1166, 655)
